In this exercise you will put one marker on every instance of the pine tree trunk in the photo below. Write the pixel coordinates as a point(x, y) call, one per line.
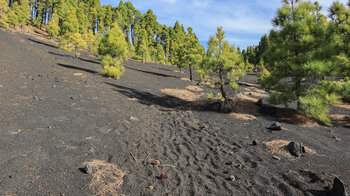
point(190, 66)
point(76, 52)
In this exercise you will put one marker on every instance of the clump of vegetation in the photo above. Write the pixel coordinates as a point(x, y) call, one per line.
point(18, 13)
point(106, 179)
point(142, 46)
point(191, 52)
point(53, 27)
point(111, 67)
point(263, 73)
point(222, 67)
point(71, 42)
point(114, 50)
point(3, 14)
point(304, 50)
point(12, 15)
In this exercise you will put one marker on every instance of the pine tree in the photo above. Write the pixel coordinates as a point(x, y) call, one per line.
point(142, 45)
point(3, 14)
point(70, 23)
point(12, 15)
point(262, 48)
point(82, 17)
point(190, 52)
point(160, 54)
point(300, 57)
point(53, 27)
point(339, 31)
point(92, 41)
point(222, 68)
point(23, 12)
point(114, 49)
point(71, 42)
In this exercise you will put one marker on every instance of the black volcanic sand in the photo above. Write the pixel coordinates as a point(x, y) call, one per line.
point(58, 112)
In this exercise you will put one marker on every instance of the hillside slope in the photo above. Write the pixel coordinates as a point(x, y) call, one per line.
point(58, 112)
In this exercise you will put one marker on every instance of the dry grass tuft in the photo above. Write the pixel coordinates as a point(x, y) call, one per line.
point(133, 99)
point(281, 147)
point(242, 116)
point(341, 119)
point(77, 74)
point(106, 179)
point(181, 94)
point(194, 88)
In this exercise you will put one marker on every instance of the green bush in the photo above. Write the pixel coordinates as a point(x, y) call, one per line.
point(317, 100)
point(137, 57)
point(112, 67)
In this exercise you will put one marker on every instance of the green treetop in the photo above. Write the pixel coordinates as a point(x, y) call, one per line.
point(72, 41)
point(222, 68)
point(113, 49)
point(339, 29)
point(160, 54)
point(12, 14)
point(3, 13)
point(300, 57)
point(142, 45)
point(53, 27)
point(70, 22)
point(190, 51)
point(23, 12)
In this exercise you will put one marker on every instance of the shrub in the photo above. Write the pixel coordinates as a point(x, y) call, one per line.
point(112, 67)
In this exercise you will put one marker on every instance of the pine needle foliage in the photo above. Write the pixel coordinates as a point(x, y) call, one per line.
point(222, 68)
point(114, 49)
point(12, 15)
point(3, 14)
point(53, 27)
point(304, 50)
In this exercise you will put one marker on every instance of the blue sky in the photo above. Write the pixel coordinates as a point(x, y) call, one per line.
point(243, 21)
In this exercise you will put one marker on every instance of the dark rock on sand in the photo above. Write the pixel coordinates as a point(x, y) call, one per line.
point(338, 188)
point(255, 142)
point(276, 126)
point(295, 149)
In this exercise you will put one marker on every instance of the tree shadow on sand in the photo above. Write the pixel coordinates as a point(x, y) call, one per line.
point(242, 106)
point(72, 57)
point(166, 101)
point(152, 73)
point(42, 43)
point(61, 55)
point(77, 68)
point(318, 192)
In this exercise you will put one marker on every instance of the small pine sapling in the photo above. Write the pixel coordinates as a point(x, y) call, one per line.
point(222, 68)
